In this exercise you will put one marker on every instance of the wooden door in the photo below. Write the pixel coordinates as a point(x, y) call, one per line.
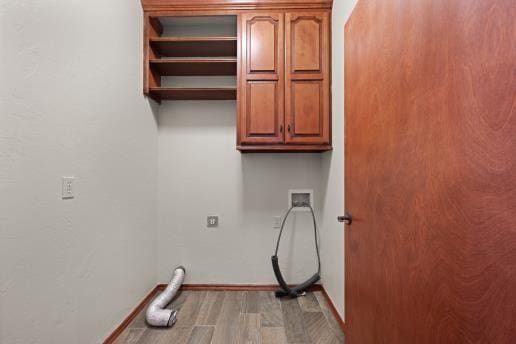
point(262, 101)
point(430, 164)
point(307, 89)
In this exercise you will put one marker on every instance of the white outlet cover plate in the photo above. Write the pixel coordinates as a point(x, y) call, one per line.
point(308, 191)
point(277, 222)
point(67, 187)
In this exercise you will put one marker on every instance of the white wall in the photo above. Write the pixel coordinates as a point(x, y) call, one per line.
point(71, 104)
point(201, 173)
point(333, 204)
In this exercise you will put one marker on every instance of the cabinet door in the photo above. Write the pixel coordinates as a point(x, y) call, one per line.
point(307, 90)
point(261, 115)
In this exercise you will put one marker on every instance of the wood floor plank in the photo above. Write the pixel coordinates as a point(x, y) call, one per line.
point(273, 335)
point(139, 320)
point(309, 303)
point(179, 300)
point(210, 308)
point(201, 335)
point(270, 309)
point(318, 329)
point(234, 317)
point(188, 313)
point(249, 328)
point(334, 325)
point(165, 335)
point(226, 329)
point(130, 336)
point(250, 304)
point(174, 335)
point(293, 321)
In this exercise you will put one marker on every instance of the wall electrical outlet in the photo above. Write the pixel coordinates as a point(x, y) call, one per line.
point(212, 221)
point(277, 222)
point(67, 189)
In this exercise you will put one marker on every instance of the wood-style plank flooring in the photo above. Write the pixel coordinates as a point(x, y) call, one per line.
point(234, 317)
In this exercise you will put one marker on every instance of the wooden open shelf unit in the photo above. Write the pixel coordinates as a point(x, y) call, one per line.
point(194, 46)
point(187, 56)
point(272, 56)
point(183, 93)
point(190, 66)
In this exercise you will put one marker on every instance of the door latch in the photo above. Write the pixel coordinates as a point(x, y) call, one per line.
point(346, 218)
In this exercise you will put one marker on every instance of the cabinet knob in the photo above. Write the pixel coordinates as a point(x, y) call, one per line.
point(288, 128)
point(281, 128)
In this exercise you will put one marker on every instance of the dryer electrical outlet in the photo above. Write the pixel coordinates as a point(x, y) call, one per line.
point(212, 221)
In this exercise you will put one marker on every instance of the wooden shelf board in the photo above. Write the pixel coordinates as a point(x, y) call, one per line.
point(194, 66)
point(286, 148)
point(194, 46)
point(179, 93)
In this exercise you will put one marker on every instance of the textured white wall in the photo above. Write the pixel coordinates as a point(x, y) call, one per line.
point(71, 104)
point(333, 204)
point(201, 173)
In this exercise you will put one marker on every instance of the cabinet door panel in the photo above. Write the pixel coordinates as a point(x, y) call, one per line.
point(307, 108)
point(305, 42)
point(307, 89)
point(262, 109)
point(261, 115)
point(262, 33)
point(263, 48)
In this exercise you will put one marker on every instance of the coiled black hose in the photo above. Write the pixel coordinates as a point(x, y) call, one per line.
point(299, 289)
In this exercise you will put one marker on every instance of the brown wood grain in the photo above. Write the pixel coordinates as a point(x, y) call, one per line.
point(182, 93)
point(266, 122)
point(194, 66)
point(202, 312)
point(232, 5)
point(262, 80)
point(194, 46)
point(282, 148)
point(430, 94)
point(152, 28)
point(307, 73)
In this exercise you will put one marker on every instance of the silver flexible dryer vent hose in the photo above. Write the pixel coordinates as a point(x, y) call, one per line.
point(157, 314)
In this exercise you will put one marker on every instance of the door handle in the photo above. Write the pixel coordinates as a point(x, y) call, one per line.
point(346, 218)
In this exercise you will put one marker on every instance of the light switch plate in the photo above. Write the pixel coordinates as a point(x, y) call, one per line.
point(67, 188)
point(212, 221)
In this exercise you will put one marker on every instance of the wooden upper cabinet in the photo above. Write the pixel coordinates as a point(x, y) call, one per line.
point(285, 82)
point(279, 51)
point(307, 89)
point(261, 115)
